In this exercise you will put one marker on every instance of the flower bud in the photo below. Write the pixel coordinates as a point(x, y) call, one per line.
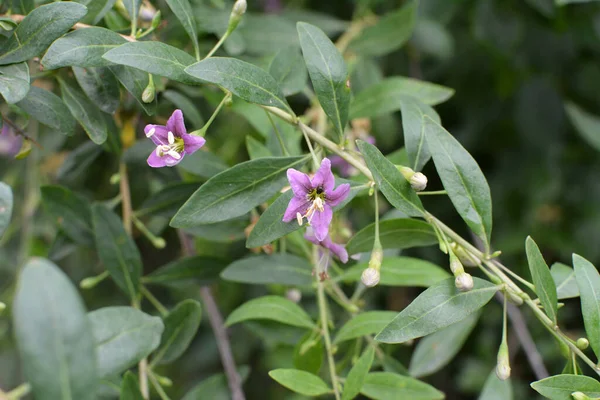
point(148, 93)
point(376, 257)
point(294, 295)
point(455, 265)
point(582, 343)
point(464, 256)
point(92, 281)
point(580, 396)
point(370, 277)
point(239, 8)
point(503, 365)
point(163, 380)
point(418, 182)
point(156, 20)
point(464, 282)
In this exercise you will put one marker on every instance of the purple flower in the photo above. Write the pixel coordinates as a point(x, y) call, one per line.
point(172, 141)
point(337, 249)
point(314, 198)
point(9, 142)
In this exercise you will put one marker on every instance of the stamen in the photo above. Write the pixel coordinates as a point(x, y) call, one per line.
point(171, 137)
point(299, 218)
point(174, 154)
point(150, 133)
point(319, 204)
point(159, 151)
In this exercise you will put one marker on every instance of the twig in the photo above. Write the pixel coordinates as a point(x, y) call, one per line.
point(216, 322)
point(20, 131)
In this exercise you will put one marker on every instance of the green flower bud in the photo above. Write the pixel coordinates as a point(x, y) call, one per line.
point(417, 180)
point(370, 277)
point(503, 365)
point(239, 8)
point(455, 265)
point(583, 343)
point(464, 282)
point(2, 307)
point(148, 94)
point(156, 20)
point(92, 281)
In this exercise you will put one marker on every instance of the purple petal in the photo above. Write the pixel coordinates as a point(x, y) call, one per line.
point(337, 249)
point(338, 195)
point(155, 161)
point(300, 182)
point(175, 124)
point(192, 143)
point(370, 139)
point(320, 222)
point(296, 205)
point(324, 177)
point(310, 236)
point(160, 135)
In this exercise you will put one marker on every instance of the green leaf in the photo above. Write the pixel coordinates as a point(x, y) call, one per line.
point(117, 250)
point(388, 95)
point(398, 233)
point(82, 48)
point(133, 9)
point(436, 308)
point(413, 126)
point(308, 353)
point(49, 109)
point(168, 200)
point(214, 387)
point(14, 82)
point(391, 182)
point(236, 191)
point(389, 386)
point(189, 109)
point(71, 211)
point(300, 381)
point(135, 81)
point(181, 326)
point(283, 269)
point(90, 117)
point(222, 232)
point(199, 270)
point(438, 349)
point(53, 335)
point(256, 149)
point(542, 279)
point(154, 57)
point(97, 9)
point(560, 387)
point(401, 271)
point(6, 206)
point(289, 71)
point(586, 124)
point(100, 86)
point(243, 79)
point(495, 389)
point(203, 163)
point(388, 34)
point(463, 180)
point(130, 388)
point(588, 282)
point(328, 74)
point(40, 28)
point(358, 374)
point(363, 324)
point(21, 6)
point(273, 308)
point(123, 337)
point(564, 279)
point(184, 13)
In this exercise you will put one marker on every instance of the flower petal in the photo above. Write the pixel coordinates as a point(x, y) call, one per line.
point(335, 197)
point(192, 143)
point(160, 135)
point(175, 123)
point(310, 235)
point(338, 249)
point(299, 181)
point(296, 205)
point(320, 222)
point(155, 161)
point(172, 161)
point(324, 177)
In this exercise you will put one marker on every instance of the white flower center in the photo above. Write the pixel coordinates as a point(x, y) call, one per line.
point(174, 148)
point(317, 205)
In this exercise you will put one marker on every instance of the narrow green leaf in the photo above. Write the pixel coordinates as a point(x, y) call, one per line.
point(135, 81)
point(389, 386)
point(117, 250)
point(199, 270)
point(130, 388)
point(82, 48)
point(49, 109)
point(243, 79)
point(256, 149)
point(564, 279)
point(100, 86)
point(586, 124)
point(309, 354)
point(181, 326)
point(283, 269)
point(438, 349)
point(413, 126)
point(542, 279)
point(387, 96)
point(53, 335)
point(154, 57)
point(495, 389)
point(358, 374)
point(71, 211)
point(436, 308)
point(391, 182)
point(123, 337)
point(300, 381)
point(90, 117)
point(328, 73)
point(463, 180)
point(40, 28)
point(397, 233)
point(14, 82)
point(21, 6)
point(236, 191)
point(189, 109)
point(168, 200)
point(6, 206)
point(222, 232)
point(289, 71)
point(366, 323)
point(184, 13)
point(588, 282)
point(273, 308)
point(215, 387)
point(97, 9)
point(401, 271)
point(560, 387)
point(203, 163)
point(133, 9)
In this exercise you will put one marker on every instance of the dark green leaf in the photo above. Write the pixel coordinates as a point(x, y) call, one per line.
point(542, 279)
point(413, 125)
point(256, 149)
point(53, 335)
point(289, 70)
point(71, 211)
point(389, 386)
point(273, 308)
point(236, 191)
point(564, 279)
point(168, 200)
point(365, 323)
point(6, 206)
point(91, 118)
point(308, 353)
point(463, 180)
point(436, 308)
point(391, 182)
point(199, 270)
point(97, 9)
point(40, 28)
point(21, 6)
point(117, 250)
point(300, 381)
point(327, 22)
point(203, 163)
point(123, 337)
point(560, 387)
point(133, 9)
point(184, 13)
point(284, 269)
point(358, 374)
point(82, 48)
point(49, 109)
point(189, 109)
point(135, 81)
point(101, 87)
point(130, 388)
point(588, 282)
point(14, 82)
point(181, 326)
point(400, 233)
point(222, 232)
point(214, 387)
point(242, 79)
point(495, 389)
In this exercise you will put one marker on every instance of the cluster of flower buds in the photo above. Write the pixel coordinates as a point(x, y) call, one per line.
point(371, 275)
point(417, 180)
point(463, 280)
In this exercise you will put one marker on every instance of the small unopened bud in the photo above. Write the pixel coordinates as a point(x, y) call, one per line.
point(25, 150)
point(239, 8)
point(464, 256)
point(376, 257)
point(418, 182)
point(163, 380)
point(294, 295)
point(580, 396)
point(156, 20)
point(370, 277)
point(92, 281)
point(455, 265)
point(503, 365)
point(6, 26)
point(148, 93)
point(464, 282)
point(582, 343)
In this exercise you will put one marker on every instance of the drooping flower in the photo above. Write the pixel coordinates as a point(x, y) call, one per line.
point(172, 141)
point(338, 249)
point(314, 198)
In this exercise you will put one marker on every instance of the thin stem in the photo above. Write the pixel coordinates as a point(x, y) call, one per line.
point(156, 241)
point(20, 391)
point(215, 113)
point(377, 241)
point(20, 131)
point(219, 43)
point(279, 138)
point(504, 318)
point(157, 386)
point(311, 150)
point(155, 302)
point(325, 329)
point(432, 192)
point(517, 277)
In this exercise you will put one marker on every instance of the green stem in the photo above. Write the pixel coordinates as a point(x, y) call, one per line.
point(20, 391)
point(311, 150)
point(157, 386)
point(214, 114)
point(279, 138)
point(155, 302)
point(377, 243)
point(218, 45)
point(432, 192)
point(156, 241)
